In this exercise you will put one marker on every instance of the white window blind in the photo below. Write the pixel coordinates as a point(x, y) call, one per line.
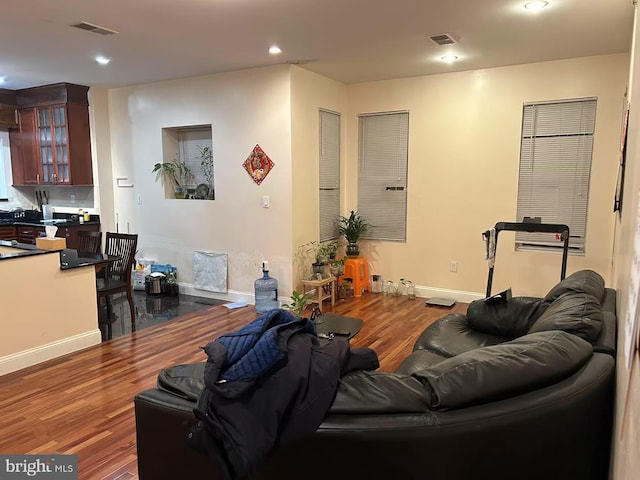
point(329, 174)
point(191, 140)
point(555, 169)
point(382, 174)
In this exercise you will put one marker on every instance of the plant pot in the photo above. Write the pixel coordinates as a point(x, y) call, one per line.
point(179, 192)
point(336, 271)
point(318, 268)
point(353, 250)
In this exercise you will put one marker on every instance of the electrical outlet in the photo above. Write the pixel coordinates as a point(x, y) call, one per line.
point(72, 199)
point(453, 266)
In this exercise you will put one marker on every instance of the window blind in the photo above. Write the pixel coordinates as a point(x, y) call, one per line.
point(190, 141)
point(329, 174)
point(555, 169)
point(382, 174)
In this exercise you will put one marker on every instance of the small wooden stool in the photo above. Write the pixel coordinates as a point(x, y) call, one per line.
point(325, 289)
point(356, 269)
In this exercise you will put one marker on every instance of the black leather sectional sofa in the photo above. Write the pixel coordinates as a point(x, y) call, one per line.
point(515, 390)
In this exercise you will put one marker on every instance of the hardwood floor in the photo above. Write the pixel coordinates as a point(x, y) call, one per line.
point(82, 403)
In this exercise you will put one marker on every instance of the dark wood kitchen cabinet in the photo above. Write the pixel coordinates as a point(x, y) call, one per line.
point(52, 144)
point(28, 234)
point(8, 110)
point(8, 233)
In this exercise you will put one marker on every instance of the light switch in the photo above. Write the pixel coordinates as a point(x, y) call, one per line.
point(139, 198)
point(265, 201)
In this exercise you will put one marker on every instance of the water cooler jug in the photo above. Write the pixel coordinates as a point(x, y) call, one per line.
point(266, 291)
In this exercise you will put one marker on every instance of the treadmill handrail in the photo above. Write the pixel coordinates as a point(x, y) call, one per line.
point(532, 227)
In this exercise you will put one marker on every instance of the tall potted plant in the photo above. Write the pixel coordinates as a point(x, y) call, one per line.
point(352, 227)
point(206, 163)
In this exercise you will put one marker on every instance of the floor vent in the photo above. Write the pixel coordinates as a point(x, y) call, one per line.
point(442, 39)
point(90, 27)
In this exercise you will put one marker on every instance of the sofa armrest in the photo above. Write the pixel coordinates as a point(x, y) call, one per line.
point(163, 423)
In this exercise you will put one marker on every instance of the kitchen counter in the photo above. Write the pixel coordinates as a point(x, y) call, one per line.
point(48, 310)
point(39, 223)
point(10, 250)
point(69, 258)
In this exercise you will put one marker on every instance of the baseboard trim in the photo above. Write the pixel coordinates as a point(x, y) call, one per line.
point(423, 292)
point(42, 353)
point(457, 295)
point(230, 296)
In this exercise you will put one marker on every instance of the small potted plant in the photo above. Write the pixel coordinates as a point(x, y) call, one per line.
point(298, 303)
point(325, 251)
point(352, 227)
point(336, 267)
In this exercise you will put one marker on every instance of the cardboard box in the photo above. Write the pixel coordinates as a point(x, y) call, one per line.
point(55, 243)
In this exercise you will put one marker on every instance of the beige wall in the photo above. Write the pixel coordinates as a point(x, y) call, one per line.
point(309, 93)
point(58, 315)
point(627, 433)
point(464, 141)
point(104, 181)
point(244, 108)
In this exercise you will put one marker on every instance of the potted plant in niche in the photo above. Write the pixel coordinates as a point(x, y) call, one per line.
point(174, 174)
point(205, 190)
point(352, 227)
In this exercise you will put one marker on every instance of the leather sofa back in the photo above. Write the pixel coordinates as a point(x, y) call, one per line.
point(500, 371)
point(479, 376)
point(573, 312)
point(560, 309)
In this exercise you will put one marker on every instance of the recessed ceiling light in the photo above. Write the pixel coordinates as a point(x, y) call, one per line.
point(535, 6)
point(274, 50)
point(449, 58)
point(102, 60)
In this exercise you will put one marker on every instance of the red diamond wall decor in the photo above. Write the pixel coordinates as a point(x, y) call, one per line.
point(258, 164)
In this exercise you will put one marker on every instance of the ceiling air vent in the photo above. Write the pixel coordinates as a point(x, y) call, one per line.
point(90, 27)
point(442, 39)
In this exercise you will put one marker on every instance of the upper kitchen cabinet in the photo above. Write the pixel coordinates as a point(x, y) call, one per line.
point(8, 111)
point(52, 145)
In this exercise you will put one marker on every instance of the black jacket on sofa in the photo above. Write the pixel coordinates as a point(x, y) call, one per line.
point(283, 384)
point(466, 404)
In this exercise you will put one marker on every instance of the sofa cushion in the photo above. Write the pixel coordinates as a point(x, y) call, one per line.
point(510, 319)
point(499, 371)
point(452, 335)
point(583, 281)
point(576, 313)
point(417, 361)
point(366, 392)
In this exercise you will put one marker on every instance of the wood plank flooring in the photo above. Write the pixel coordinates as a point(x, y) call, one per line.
point(82, 403)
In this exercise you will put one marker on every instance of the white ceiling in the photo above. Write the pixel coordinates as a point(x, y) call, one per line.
point(348, 40)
